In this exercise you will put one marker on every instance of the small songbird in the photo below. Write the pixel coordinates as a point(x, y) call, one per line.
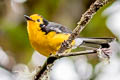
point(46, 37)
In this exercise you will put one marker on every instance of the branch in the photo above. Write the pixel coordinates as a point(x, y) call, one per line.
point(86, 17)
point(75, 53)
point(43, 73)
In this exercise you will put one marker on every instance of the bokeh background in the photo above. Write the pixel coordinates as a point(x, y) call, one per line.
point(17, 55)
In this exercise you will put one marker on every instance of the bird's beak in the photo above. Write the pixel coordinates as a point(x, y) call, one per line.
point(28, 18)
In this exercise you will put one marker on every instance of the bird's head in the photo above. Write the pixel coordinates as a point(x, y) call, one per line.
point(36, 20)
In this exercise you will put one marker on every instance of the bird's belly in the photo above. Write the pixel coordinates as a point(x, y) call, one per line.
point(49, 44)
point(42, 46)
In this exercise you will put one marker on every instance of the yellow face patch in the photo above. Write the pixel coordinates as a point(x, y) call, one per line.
point(37, 18)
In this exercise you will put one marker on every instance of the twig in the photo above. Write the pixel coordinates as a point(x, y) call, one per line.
point(75, 53)
point(49, 62)
point(86, 17)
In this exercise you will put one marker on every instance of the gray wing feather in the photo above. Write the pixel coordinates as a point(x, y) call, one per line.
point(58, 28)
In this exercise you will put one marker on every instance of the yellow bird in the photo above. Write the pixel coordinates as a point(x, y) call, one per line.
point(46, 37)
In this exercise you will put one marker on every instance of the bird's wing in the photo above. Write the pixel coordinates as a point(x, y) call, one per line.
point(58, 28)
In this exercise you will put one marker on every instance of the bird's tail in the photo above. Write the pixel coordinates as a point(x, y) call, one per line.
point(97, 40)
point(94, 42)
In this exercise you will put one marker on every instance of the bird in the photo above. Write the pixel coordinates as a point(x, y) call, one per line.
point(46, 37)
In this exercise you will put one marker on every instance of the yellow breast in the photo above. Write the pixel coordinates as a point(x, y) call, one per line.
point(45, 44)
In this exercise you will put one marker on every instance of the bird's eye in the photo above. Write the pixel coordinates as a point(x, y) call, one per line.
point(38, 20)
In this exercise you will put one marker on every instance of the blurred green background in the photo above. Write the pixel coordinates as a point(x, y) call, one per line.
point(15, 48)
